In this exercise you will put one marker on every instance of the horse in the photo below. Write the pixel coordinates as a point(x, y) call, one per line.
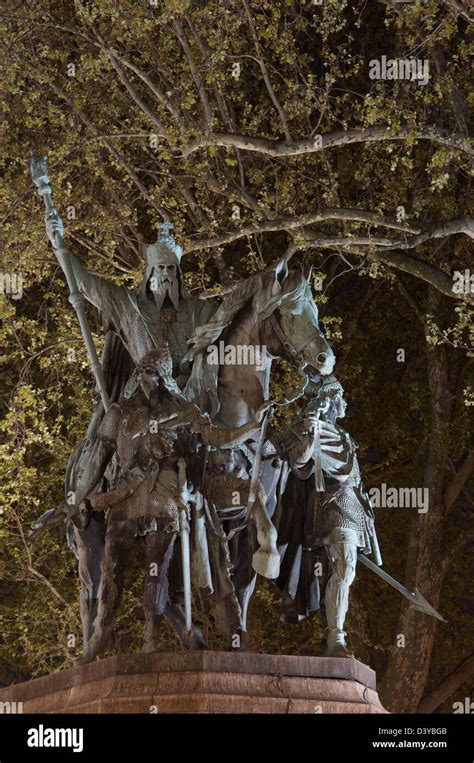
point(274, 314)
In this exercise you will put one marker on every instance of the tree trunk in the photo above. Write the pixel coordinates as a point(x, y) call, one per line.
point(406, 676)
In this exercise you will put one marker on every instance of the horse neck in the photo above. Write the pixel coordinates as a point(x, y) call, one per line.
point(242, 388)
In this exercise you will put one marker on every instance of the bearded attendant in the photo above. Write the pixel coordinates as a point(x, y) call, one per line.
point(327, 517)
point(149, 434)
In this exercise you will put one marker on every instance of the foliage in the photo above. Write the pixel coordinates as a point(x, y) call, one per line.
point(119, 94)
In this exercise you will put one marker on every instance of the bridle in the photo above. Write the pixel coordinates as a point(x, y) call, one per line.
point(297, 353)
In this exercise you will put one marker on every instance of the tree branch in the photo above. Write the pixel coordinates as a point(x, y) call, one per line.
point(299, 221)
point(195, 74)
point(448, 228)
point(118, 157)
point(37, 574)
point(411, 301)
point(460, 8)
point(447, 686)
point(423, 270)
point(32, 569)
point(266, 78)
point(135, 95)
point(382, 249)
point(457, 483)
point(157, 92)
point(328, 140)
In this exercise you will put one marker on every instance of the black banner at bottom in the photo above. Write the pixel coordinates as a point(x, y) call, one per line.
point(72, 737)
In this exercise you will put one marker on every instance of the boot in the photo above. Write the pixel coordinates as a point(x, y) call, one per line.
point(336, 644)
point(88, 609)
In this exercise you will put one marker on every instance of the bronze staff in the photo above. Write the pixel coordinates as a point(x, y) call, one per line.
point(39, 175)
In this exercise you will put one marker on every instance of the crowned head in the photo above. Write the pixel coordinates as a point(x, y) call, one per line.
point(163, 272)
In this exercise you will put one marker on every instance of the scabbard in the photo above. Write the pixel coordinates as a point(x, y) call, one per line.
point(319, 483)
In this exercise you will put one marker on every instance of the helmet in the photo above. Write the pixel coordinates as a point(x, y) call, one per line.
point(157, 361)
point(330, 387)
point(324, 389)
point(165, 250)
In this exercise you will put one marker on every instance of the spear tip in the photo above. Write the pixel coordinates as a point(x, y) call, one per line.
point(419, 602)
point(38, 167)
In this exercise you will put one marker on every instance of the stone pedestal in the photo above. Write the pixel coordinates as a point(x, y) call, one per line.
point(203, 682)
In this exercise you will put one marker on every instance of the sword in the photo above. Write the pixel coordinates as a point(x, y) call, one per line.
point(184, 535)
point(318, 473)
point(256, 467)
point(39, 176)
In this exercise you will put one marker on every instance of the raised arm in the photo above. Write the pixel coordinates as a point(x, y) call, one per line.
point(102, 294)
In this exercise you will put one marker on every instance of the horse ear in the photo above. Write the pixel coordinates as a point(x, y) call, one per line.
point(281, 272)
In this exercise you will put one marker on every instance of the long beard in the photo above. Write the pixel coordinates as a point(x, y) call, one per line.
point(164, 290)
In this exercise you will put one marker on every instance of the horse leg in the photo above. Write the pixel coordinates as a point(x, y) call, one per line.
point(116, 552)
point(240, 640)
point(241, 548)
point(159, 551)
point(89, 546)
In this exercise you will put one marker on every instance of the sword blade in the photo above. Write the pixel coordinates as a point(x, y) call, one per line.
point(184, 536)
point(256, 465)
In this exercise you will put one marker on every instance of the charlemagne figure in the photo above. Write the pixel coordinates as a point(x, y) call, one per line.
point(159, 311)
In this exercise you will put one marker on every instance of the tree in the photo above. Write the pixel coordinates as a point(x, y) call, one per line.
point(256, 128)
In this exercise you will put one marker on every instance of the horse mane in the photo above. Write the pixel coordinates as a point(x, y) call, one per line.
point(261, 288)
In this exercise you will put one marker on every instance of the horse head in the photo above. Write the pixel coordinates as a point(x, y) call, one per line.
point(291, 327)
point(272, 310)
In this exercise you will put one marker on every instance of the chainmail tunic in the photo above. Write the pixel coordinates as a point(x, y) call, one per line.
point(139, 486)
point(325, 523)
point(330, 525)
